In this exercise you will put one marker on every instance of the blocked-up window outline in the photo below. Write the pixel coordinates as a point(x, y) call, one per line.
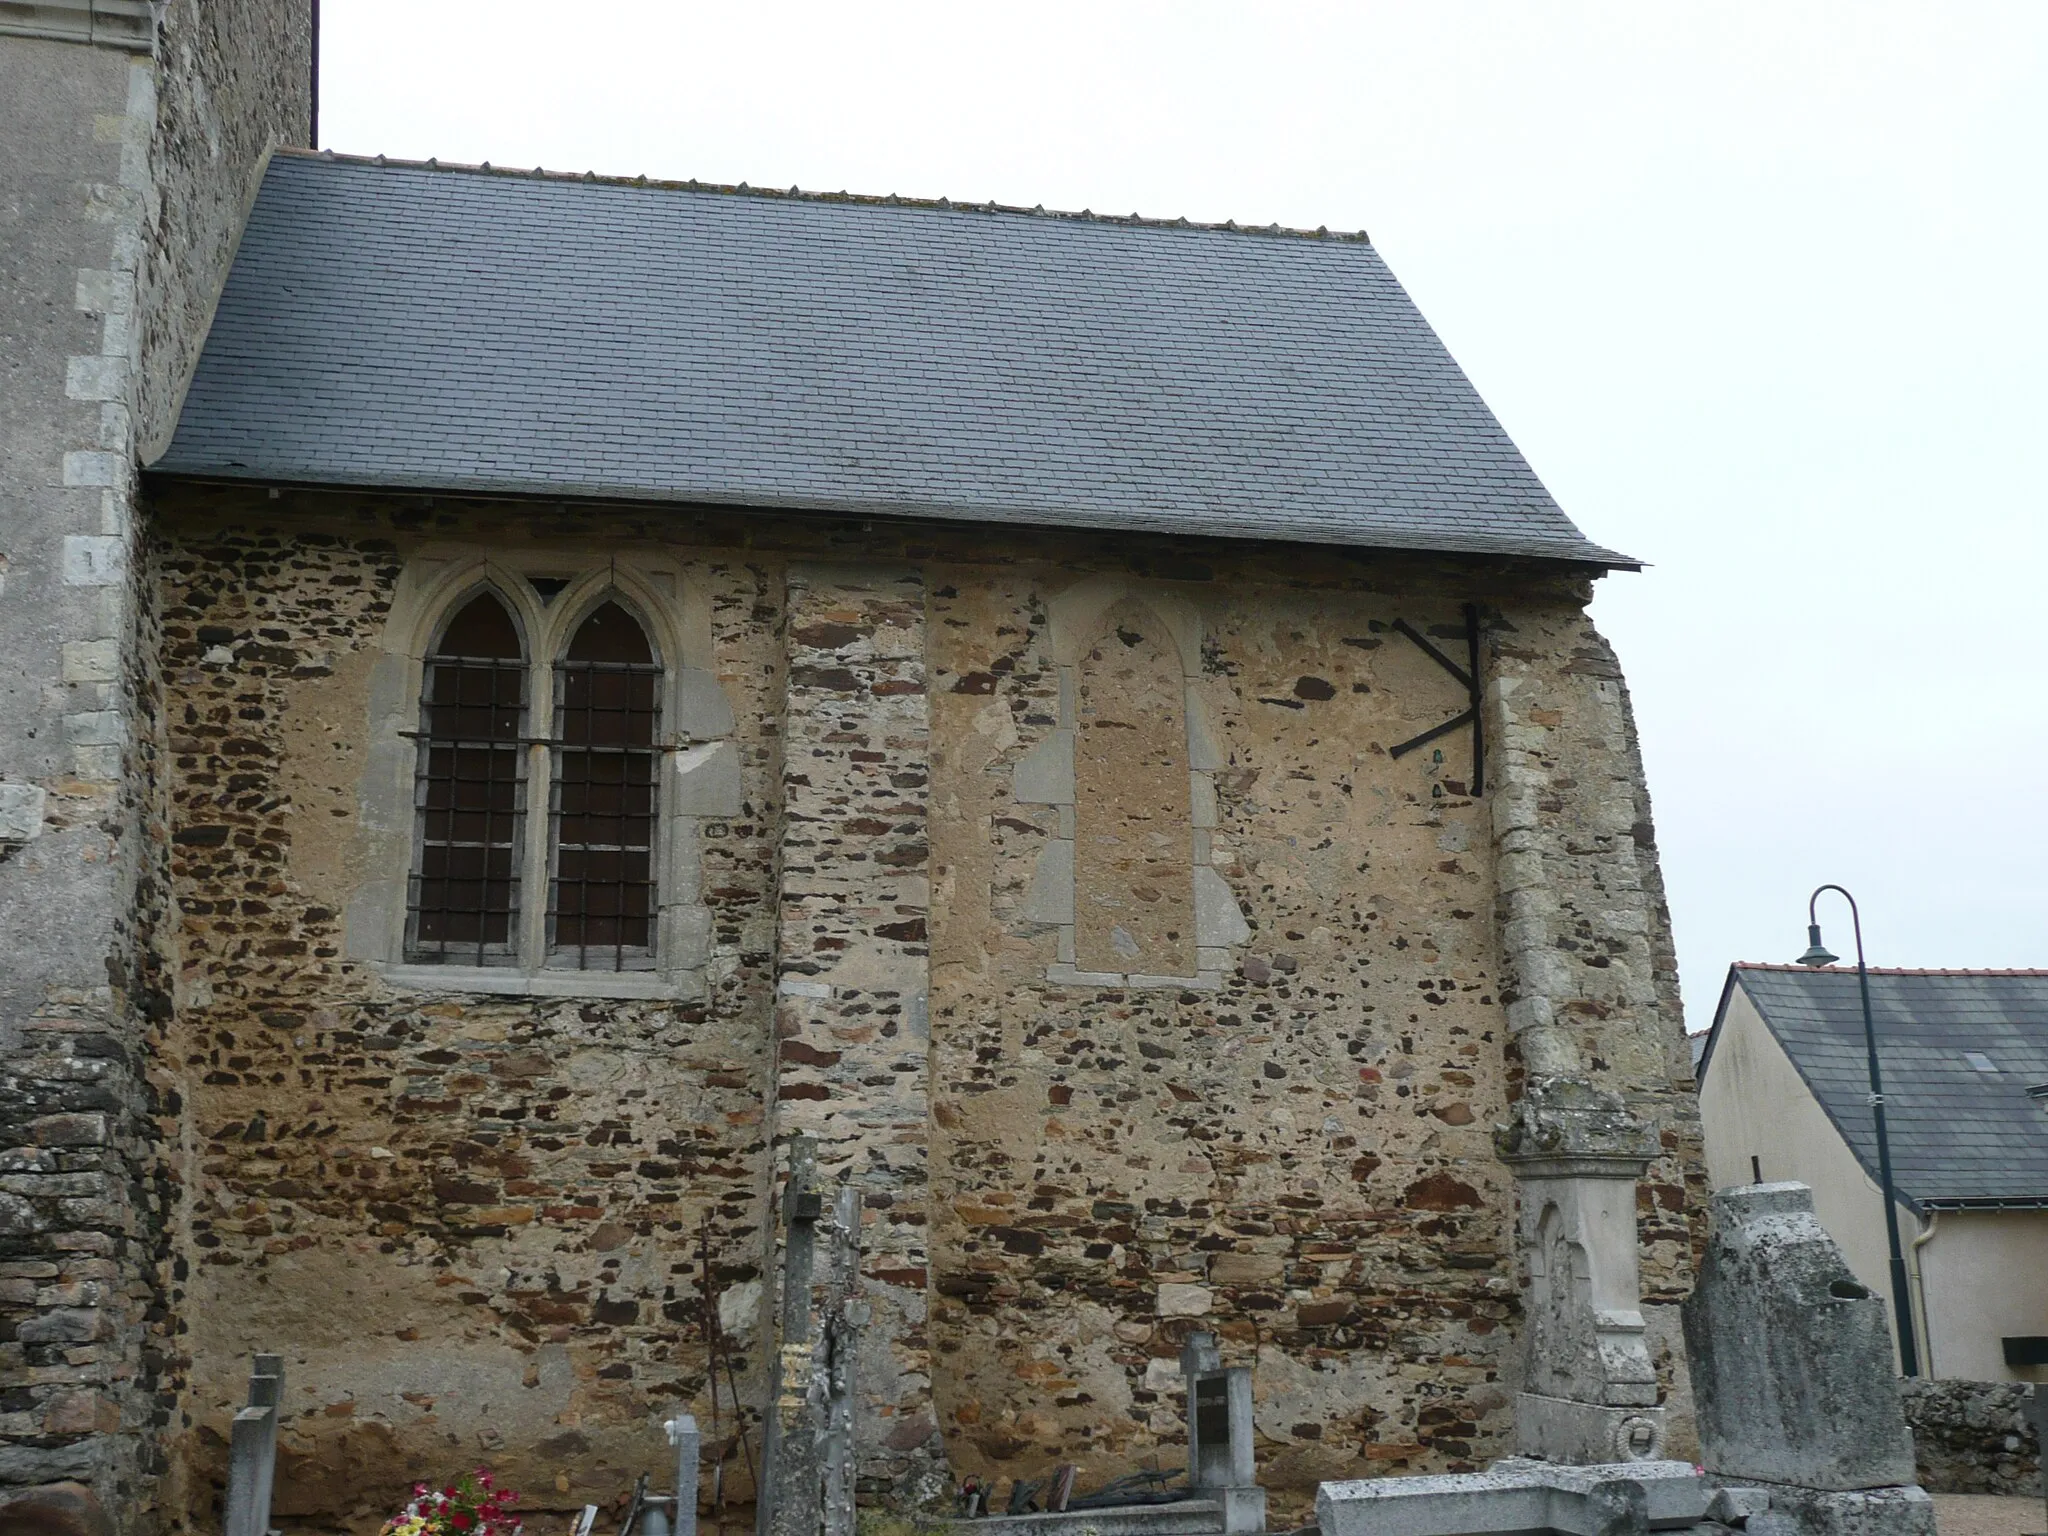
point(1080, 619)
point(627, 918)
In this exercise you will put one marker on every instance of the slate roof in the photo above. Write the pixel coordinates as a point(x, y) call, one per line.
point(1960, 1136)
point(463, 329)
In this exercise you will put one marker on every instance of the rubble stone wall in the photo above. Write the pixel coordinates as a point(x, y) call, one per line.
point(475, 1226)
point(1974, 1436)
point(1300, 1160)
point(474, 1221)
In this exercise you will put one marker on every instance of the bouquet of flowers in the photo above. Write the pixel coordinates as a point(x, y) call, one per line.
point(469, 1506)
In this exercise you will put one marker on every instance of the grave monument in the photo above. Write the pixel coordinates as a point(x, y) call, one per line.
point(1793, 1373)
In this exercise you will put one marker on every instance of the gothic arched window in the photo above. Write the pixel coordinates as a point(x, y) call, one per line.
point(468, 790)
point(536, 817)
point(604, 809)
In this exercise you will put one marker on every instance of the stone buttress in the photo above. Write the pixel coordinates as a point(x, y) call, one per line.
point(852, 1039)
point(1591, 1006)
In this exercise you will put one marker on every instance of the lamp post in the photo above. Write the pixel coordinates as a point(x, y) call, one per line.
point(1817, 955)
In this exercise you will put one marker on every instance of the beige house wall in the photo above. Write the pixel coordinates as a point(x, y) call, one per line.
point(1985, 1278)
point(1980, 1277)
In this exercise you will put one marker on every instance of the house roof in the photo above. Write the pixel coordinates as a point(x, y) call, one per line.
point(1959, 1051)
point(473, 330)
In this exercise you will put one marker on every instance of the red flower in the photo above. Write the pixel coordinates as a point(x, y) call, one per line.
point(461, 1521)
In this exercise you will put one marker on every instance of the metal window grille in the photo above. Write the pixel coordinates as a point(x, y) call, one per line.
point(602, 898)
point(469, 794)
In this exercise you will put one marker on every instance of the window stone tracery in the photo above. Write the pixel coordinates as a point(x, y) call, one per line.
point(623, 750)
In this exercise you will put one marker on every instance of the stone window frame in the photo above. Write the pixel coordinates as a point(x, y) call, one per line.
point(699, 782)
point(1045, 776)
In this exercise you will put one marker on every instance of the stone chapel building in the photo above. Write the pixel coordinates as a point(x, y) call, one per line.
point(531, 690)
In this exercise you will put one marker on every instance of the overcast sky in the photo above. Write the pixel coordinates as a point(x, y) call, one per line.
point(1758, 289)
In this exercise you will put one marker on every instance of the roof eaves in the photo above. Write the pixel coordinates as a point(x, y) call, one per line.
point(1586, 555)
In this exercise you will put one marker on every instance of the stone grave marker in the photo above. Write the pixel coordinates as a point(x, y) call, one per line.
point(1792, 1372)
point(1221, 1464)
point(252, 1450)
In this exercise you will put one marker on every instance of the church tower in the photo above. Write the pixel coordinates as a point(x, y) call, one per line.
point(134, 129)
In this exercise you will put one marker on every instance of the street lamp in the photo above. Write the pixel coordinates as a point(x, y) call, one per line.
point(1817, 955)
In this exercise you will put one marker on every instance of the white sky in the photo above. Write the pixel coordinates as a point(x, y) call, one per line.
point(1757, 287)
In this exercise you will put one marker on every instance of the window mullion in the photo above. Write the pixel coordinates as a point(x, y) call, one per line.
point(533, 869)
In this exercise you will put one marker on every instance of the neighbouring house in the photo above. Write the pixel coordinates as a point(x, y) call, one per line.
point(528, 691)
point(1785, 1094)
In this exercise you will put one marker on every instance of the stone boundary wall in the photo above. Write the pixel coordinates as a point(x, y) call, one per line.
point(1973, 1436)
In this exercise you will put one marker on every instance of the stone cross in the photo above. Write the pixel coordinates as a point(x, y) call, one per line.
point(252, 1450)
point(1221, 1464)
point(684, 1435)
point(808, 1462)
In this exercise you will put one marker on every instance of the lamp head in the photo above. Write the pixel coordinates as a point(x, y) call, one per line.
point(1816, 952)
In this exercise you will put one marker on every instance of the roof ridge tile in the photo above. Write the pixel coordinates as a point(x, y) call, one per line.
point(797, 194)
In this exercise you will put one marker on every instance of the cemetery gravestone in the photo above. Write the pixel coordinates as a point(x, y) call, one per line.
point(1792, 1372)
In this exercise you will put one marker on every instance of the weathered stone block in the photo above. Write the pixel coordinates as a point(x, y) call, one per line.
point(80, 1413)
point(1907, 1511)
point(1177, 1300)
point(709, 780)
point(75, 1130)
point(1518, 1498)
point(1587, 1433)
point(91, 661)
point(21, 812)
point(26, 1463)
point(1733, 1506)
point(1245, 1269)
point(65, 1325)
point(1791, 1356)
point(1218, 922)
point(19, 1216)
point(1051, 897)
point(1045, 774)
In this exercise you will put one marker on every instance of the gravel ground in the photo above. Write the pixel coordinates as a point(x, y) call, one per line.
point(1987, 1514)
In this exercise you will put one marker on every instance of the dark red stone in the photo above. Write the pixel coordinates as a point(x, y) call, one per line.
point(53, 1509)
